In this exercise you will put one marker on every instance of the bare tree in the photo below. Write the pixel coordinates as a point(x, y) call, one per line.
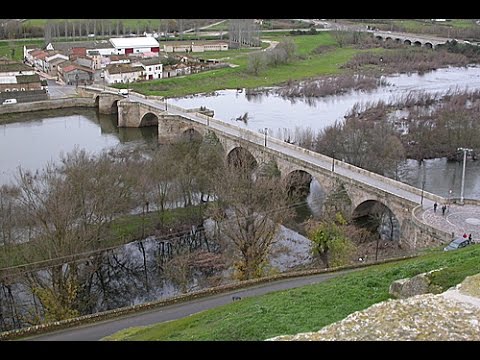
point(249, 213)
point(256, 63)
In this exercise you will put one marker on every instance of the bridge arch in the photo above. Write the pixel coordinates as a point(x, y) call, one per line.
point(97, 101)
point(377, 217)
point(297, 184)
point(378, 37)
point(407, 42)
point(149, 119)
point(417, 43)
point(190, 135)
point(428, 45)
point(114, 107)
point(241, 157)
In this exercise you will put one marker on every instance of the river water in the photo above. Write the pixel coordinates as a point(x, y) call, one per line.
point(30, 140)
point(280, 116)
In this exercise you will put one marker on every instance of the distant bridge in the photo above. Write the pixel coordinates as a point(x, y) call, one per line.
point(411, 39)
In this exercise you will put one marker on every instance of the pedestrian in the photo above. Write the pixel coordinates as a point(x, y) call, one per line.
point(470, 237)
point(444, 207)
point(464, 235)
point(435, 207)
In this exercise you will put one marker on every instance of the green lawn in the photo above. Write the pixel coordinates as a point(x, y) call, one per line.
point(7, 46)
point(308, 308)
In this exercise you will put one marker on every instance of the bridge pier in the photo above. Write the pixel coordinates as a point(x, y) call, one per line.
point(107, 104)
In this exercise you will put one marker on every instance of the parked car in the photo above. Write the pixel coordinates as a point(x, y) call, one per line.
point(10, 101)
point(123, 92)
point(458, 243)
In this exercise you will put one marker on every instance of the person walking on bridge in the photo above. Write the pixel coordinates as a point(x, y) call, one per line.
point(435, 207)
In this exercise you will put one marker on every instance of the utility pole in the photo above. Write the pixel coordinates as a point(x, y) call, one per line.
point(463, 172)
point(423, 183)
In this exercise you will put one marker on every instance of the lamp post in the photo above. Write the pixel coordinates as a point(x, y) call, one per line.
point(76, 80)
point(265, 132)
point(463, 171)
point(333, 162)
point(423, 184)
point(166, 104)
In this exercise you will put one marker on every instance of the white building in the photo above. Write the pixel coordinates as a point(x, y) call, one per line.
point(153, 68)
point(118, 74)
point(135, 45)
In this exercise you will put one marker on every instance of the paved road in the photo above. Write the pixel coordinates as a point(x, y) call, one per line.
point(99, 330)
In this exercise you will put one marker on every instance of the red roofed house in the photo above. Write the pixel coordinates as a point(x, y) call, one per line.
point(73, 74)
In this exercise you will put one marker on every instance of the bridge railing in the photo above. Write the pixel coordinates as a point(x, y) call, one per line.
point(259, 138)
point(434, 233)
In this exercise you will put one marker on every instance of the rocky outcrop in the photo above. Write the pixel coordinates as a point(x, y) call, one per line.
point(452, 315)
point(417, 285)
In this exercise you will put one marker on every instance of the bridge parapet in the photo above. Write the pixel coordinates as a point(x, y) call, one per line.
point(425, 235)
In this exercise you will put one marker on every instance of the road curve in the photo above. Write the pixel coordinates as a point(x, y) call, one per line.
point(96, 331)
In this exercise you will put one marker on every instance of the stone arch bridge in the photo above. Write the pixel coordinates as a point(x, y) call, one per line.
point(365, 189)
point(410, 39)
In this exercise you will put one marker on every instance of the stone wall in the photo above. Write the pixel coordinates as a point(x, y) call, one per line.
point(47, 105)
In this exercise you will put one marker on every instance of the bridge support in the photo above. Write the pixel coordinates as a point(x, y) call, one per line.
point(105, 103)
point(129, 114)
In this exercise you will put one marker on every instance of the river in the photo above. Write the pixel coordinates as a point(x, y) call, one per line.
point(30, 140)
point(281, 116)
point(41, 137)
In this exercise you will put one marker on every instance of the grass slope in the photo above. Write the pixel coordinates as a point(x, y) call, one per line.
point(307, 308)
point(309, 65)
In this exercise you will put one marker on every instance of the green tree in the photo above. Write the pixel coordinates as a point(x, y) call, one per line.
point(330, 241)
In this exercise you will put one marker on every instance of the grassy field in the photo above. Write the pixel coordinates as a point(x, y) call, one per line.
point(308, 308)
point(7, 46)
point(309, 65)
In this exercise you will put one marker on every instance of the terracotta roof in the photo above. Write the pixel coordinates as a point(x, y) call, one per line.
point(73, 67)
point(80, 51)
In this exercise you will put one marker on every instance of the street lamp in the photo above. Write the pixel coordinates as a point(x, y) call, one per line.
point(423, 184)
point(165, 104)
point(265, 132)
point(463, 171)
point(76, 80)
point(333, 161)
